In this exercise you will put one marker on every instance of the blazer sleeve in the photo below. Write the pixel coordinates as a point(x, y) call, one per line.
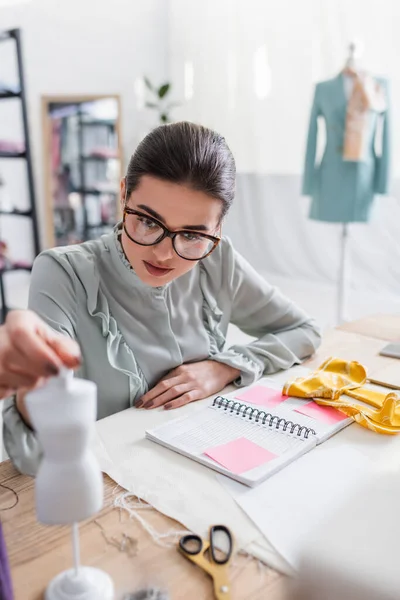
point(382, 172)
point(311, 149)
point(285, 334)
point(52, 296)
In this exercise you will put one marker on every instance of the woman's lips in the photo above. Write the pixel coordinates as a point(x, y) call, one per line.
point(156, 271)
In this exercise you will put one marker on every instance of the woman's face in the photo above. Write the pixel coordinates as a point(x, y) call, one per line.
point(178, 208)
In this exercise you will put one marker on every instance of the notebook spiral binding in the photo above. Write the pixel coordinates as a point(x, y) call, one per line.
point(260, 416)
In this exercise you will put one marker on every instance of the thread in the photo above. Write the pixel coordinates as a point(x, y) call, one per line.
point(263, 569)
point(165, 539)
point(16, 497)
point(126, 544)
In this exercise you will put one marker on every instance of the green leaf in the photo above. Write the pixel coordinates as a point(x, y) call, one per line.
point(148, 84)
point(151, 105)
point(164, 89)
point(164, 118)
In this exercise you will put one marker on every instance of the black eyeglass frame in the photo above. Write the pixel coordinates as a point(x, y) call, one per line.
point(167, 233)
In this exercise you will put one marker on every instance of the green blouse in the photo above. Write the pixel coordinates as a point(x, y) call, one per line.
point(131, 334)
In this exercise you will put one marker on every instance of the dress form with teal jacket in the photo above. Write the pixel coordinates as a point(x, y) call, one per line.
point(343, 191)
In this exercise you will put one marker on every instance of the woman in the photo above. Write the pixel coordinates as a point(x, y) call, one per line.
point(150, 303)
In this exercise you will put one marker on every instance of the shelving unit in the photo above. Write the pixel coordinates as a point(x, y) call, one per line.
point(14, 268)
point(16, 213)
point(82, 186)
point(88, 228)
point(14, 36)
point(94, 192)
point(13, 154)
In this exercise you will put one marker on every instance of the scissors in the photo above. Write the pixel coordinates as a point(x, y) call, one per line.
point(194, 548)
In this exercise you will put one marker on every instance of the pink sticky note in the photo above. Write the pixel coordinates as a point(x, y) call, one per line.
point(265, 396)
point(326, 414)
point(240, 455)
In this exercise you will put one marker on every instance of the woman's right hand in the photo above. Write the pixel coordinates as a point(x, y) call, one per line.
point(30, 351)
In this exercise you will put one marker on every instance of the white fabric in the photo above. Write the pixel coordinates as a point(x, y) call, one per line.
point(344, 558)
point(290, 505)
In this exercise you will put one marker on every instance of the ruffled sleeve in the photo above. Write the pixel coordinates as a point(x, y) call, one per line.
point(19, 440)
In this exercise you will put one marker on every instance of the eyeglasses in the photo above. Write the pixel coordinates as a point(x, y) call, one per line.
point(147, 231)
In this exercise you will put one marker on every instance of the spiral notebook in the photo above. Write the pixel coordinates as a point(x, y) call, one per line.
point(244, 441)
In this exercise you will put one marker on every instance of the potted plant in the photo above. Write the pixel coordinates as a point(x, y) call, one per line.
point(159, 100)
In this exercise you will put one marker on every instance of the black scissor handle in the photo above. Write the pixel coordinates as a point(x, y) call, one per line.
point(213, 531)
point(191, 544)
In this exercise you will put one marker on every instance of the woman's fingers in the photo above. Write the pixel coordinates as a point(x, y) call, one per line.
point(191, 396)
point(16, 376)
point(15, 380)
point(33, 354)
point(30, 350)
point(174, 391)
point(160, 388)
point(188, 382)
point(35, 347)
point(67, 350)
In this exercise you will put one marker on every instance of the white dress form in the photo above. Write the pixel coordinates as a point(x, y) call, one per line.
point(69, 483)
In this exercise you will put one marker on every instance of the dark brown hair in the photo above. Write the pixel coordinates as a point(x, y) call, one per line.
point(188, 154)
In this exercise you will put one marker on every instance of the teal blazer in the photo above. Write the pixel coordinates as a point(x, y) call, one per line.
point(343, 191)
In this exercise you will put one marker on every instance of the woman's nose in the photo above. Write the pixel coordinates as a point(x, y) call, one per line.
point(164, 250)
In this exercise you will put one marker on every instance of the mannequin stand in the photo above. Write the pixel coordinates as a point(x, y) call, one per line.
point(80, 583)
point(69, 482)
point(343, 275)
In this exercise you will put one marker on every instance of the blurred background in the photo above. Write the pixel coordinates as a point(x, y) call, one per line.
point(100, 74)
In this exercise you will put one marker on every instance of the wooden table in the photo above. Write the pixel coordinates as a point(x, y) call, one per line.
point(37, 553)
point(382, 327)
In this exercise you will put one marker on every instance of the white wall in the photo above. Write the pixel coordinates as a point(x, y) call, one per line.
point(80, 47)
point(248, 69)
point(254, 65)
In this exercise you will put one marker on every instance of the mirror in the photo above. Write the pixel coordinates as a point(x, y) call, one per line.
point(82, 160)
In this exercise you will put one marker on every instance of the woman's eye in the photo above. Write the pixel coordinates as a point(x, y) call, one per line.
point(146, 222)
point(192, 237)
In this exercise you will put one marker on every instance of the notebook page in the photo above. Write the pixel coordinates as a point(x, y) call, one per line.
point(213, 426)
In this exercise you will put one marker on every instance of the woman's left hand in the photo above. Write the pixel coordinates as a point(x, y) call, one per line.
point(187, 383)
